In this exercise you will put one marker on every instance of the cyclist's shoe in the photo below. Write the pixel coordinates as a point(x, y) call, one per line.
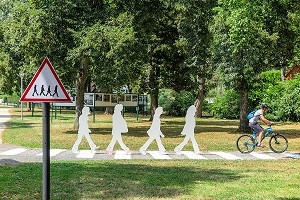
point(261, 146)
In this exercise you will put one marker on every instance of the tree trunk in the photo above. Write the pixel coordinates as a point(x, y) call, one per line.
point(109, 111)
point(81, 83)
point(200, 97)
point(154, 104)
point(28, 106)
point(244, 126)
point(153, 83)
point(283, 71)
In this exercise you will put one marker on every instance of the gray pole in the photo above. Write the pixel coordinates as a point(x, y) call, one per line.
point(46, 151)
point(22, 75)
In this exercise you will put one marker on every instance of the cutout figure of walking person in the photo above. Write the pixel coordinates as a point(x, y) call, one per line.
point(154, 133)
point(48, 91)
point(35, 91)
point(119, 126)
point(42, 91)
point(189, 131)
point(84, 131)
point(55, 91)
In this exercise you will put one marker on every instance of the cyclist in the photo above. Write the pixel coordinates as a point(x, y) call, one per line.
point(259, 114)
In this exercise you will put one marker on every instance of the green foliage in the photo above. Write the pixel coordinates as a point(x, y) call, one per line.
point(264, 87)
point(241, 41)
point(284, 99)
point(175, 103)
point(195, 39)
point(226, 105)
point(10, 99)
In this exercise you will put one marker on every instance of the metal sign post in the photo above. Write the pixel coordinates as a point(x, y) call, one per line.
point(46, 151)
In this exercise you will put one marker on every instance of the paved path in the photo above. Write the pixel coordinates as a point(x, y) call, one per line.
point(4, 117)
point(10, 154)
point(21, 154)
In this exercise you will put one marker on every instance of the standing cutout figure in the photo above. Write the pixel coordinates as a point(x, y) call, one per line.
point(189, 131)
point(84, 131)
point(154, 133)
point(119, 126)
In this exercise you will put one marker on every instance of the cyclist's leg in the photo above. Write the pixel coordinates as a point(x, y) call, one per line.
point(259, 138)
point(260, 132)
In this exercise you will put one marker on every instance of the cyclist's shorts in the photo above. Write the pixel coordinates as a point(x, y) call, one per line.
point(257, 128)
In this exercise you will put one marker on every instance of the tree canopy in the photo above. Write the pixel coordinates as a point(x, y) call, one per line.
point(149, 44)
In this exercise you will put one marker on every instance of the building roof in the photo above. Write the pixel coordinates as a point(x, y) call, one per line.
point(295, 69)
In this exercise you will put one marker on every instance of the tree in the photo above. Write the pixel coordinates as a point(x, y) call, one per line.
point(279, 23)
point(241, 45)
point(294, 26)
point(194, 31)
point(156, 33)
point(19, 24)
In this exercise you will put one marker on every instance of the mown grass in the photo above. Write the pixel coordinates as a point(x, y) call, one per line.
point(148, 179)
point(211, 134)
point(153, 179)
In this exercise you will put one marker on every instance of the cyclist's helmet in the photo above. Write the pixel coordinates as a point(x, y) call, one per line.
point(264, 106)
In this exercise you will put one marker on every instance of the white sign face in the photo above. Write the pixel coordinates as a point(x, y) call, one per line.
point(45, 86)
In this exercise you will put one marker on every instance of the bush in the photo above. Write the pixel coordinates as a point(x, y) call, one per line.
point(226, 105)
point(175, 104)
point(268, 85)
point(10, 99)
point(282, 97)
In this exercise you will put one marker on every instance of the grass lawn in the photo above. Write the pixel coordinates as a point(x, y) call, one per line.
point(211, 134)
point(148, 179)
point(153, 179)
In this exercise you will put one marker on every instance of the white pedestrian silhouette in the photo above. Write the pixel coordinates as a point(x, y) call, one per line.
point(119, 126)
point(84, 131)
point(189, 131)
point(154, 133)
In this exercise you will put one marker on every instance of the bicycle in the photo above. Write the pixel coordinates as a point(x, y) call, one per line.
point(246, 143)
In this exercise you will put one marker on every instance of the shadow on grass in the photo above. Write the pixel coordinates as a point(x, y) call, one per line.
point(207, 122)
point(17, 125)
point(290, 134)
point(112, 180)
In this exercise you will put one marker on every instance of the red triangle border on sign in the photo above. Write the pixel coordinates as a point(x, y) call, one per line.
point(24, 99)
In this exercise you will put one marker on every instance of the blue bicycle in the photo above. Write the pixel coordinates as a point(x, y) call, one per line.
point(246, 143)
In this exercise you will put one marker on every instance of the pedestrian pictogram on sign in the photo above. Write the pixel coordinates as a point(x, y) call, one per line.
point(45, 86)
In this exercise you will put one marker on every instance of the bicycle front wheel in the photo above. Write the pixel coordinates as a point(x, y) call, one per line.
point(278, 143)
point(245, 143)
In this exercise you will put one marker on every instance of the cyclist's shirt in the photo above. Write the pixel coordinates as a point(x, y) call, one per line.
point(256, 117)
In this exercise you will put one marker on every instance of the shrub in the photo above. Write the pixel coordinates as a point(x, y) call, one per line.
point(226, 105)
point(175, 104)
point(283, 99)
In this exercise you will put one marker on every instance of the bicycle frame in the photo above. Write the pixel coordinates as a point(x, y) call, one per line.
point(268, 131)
point(246, 143)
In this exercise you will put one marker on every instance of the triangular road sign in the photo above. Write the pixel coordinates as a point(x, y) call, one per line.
point(45, 86)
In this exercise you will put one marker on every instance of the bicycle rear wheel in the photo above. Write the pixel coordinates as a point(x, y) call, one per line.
point(245, 143)
point(278, 143)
